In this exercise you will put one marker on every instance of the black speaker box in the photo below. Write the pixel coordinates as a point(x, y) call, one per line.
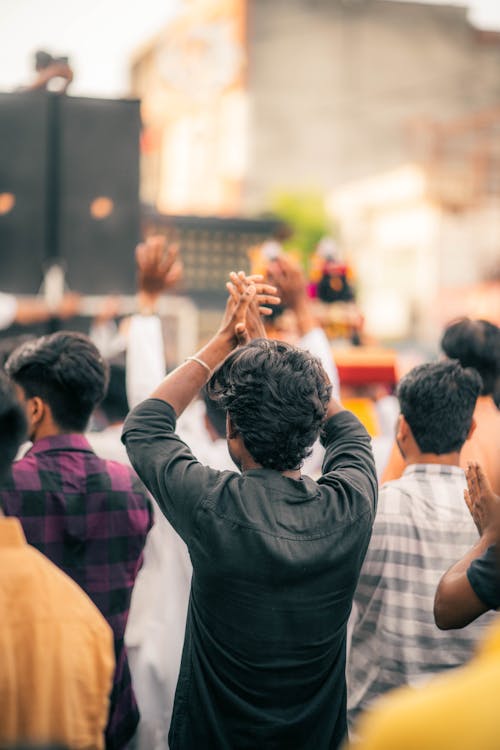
point(24, 133)
point(69, 191)
point(98, 186)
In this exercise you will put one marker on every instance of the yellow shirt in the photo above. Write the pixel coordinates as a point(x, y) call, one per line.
point(56, 651)
point(456, 711)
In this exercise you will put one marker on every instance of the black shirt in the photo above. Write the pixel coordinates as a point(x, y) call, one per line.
point(275, 566)
point(484, 577)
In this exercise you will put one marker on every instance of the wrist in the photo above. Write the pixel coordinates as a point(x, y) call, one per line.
point(488, 536)
point(147, 303)
point(217, 349)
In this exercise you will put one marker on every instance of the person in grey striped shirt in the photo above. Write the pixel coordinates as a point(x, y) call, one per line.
point(422, 526)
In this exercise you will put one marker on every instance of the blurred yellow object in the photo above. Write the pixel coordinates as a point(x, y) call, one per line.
point(456, 711)
point(364, 409)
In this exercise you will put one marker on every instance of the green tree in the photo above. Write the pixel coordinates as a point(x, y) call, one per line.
point(304, 212)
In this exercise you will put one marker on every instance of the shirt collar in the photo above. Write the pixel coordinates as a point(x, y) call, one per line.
point(11, 532)
point(73, 441)
point(433, 470)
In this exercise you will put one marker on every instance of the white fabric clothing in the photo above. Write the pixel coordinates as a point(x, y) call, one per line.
point(155, 630)
point(8, 310)
point(107, 444)
point(316, 342)
point(145, 359)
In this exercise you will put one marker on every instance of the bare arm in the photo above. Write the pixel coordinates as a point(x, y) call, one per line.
point(287, 276)
point(36, 310)
point(456, 603)
point(241, 322)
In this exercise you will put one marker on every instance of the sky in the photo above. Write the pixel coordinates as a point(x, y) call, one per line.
point(100, 36)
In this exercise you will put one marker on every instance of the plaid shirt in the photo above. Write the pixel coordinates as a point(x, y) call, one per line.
point(90, 517)
point(422, 527)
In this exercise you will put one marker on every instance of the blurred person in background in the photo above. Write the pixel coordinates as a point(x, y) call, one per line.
point(422, 526)
point(53, 73)
point(297, 324)
point(89, 516)
point(28, 310)
point(56, 649)
point(156, 624)
point(474, 343)
point(457, 710)
point(275, 555)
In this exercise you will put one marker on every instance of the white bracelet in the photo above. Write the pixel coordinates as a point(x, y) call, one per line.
point(200, 362)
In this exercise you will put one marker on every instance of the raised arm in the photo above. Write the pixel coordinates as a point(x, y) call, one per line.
point(182, 385)
point(458, 597)
point(164, 463)
point(287, 275)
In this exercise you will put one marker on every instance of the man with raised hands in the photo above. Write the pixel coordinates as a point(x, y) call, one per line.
point(276, 555)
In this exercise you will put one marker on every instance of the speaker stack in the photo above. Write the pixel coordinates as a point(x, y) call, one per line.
point(69, 191)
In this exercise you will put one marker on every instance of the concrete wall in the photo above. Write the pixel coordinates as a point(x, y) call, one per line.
point(334, 84)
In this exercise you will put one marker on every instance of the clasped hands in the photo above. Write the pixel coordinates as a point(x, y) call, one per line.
point(247, 302)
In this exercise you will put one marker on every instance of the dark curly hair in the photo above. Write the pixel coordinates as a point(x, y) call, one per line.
point(437, 400)
point(475, 343)
point(276, 396)
point(66, 371)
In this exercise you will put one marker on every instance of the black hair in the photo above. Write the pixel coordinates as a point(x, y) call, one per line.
point(437, 400)
point(115, 403)
point(276, 396)
point(215, 413)
point(475, 343)
point(12, 424)
point(66, 371)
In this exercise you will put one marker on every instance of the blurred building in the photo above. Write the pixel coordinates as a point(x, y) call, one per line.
point(391, 109)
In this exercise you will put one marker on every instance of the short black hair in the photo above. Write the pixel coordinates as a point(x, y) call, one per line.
point(437, 400)
point(276, 396)
point(475, 343)
point(66, 371)
point(12, 424)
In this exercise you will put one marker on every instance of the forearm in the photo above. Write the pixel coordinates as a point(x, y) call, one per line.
point(32, 311)
point(183, 384)
point(306, 321)
point(456, 604)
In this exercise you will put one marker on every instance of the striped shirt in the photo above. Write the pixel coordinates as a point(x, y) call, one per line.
point(421, 528)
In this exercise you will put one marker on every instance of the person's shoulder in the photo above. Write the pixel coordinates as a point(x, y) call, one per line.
point(123, 477)
point(395, 497)
point(22, 474)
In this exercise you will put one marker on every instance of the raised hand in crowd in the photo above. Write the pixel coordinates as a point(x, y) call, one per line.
point(238, 325)
point(483, 504)
point(289, 278)
point(472, 585)
point(252, 326)
point(158, 269)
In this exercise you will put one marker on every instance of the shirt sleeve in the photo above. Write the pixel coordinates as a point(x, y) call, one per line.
point(484, 577)
point(316, 342)
point(8, 310)
point(145, 361)
point(177, 481)
point(349, 465)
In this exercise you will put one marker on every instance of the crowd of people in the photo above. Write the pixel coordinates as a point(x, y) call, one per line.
point(209, 559)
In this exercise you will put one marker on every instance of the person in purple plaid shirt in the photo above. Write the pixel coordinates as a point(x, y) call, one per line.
point(89, 516)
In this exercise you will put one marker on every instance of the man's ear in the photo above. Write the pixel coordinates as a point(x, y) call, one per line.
point(402, 429)
point(473, 426)
point(36, 411)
